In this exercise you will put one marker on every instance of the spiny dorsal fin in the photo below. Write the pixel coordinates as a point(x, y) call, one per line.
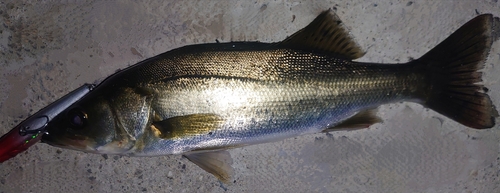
point(188, 125)
point(360, 120)
point(217, 163)
point(326, 33)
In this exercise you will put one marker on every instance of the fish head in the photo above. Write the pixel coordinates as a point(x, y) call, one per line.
point(99, 123)
point(84, 126)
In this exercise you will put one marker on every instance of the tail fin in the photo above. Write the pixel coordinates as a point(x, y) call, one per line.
point(455, 90)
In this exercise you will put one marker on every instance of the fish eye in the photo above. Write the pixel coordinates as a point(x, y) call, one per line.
point(77, 118)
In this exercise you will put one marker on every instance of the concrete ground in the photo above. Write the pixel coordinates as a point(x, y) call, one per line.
point(48, 49)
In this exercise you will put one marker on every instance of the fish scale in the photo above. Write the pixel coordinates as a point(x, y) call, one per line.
point(320, 102)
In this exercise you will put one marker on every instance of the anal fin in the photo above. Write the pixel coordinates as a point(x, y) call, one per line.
point(217, 163)
point(360, 120)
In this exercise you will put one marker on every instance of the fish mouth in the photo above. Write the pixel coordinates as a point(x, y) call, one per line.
point(70, 142)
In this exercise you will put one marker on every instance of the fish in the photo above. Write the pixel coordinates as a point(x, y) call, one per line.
point(201, 100)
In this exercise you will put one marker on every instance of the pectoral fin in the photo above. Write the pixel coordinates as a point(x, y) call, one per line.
point(217, 163)
point(326, 33)
point(188, 125)
point(360, 120)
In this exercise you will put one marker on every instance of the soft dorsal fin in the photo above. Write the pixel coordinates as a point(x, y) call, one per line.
point(360, 120)
point(217, 163)
point(188, 125)
point(326, 33)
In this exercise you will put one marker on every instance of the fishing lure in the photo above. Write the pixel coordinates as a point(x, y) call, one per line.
point(31, 130)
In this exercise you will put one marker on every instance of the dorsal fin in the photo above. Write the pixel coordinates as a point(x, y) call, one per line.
point(326, 33)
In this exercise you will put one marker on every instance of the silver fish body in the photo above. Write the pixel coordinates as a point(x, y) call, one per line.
point(198, 100)
point(283, 94)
